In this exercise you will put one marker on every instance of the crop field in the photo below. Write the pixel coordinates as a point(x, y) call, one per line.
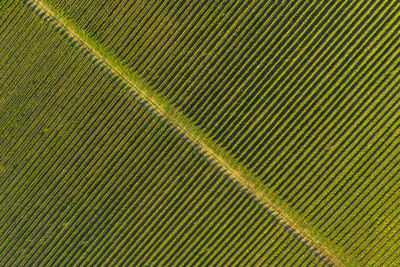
point(180, 133)
point(93, 174)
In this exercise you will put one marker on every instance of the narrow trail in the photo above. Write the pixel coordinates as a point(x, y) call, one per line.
point(234, 174)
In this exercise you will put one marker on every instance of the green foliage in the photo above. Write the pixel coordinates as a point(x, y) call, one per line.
point(92, 174)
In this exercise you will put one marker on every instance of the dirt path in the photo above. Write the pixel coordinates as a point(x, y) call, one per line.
point(186, 131)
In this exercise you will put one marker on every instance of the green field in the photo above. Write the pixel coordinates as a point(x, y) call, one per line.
point(164, 133)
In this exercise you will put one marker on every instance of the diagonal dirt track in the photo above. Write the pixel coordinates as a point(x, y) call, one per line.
point(235, 174)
